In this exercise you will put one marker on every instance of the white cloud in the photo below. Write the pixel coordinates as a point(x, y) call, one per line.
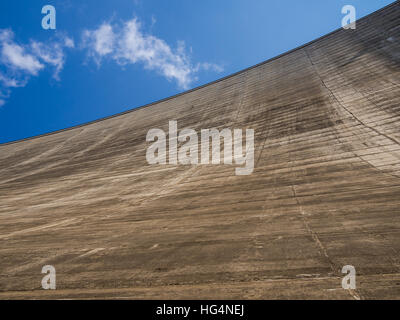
point(19, 62)
point(10, 82)
point(206, 66)
point(68, 42)
point(123, 43)
point(15, 56)
point(51, 54)
point(128, 44)
point(100, 41)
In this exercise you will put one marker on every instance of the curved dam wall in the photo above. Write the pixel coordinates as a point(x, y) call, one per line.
point(324, 193)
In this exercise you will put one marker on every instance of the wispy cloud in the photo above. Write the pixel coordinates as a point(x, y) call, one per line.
point(100, 42)
point(128, 44)
point(206, 66)
point(19, 62)
point(124, 43)
point(52, 54)
point(15, 56)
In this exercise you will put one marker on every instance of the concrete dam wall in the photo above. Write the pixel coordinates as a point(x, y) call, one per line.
point(324, 192)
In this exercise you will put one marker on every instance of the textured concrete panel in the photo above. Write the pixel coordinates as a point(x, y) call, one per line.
point(325, 191)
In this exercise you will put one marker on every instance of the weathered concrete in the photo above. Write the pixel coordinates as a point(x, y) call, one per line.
point(325, 191)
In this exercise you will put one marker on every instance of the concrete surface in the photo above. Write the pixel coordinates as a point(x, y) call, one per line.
point(325, 191)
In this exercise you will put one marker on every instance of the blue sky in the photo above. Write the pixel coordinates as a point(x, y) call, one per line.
point(107, 56)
